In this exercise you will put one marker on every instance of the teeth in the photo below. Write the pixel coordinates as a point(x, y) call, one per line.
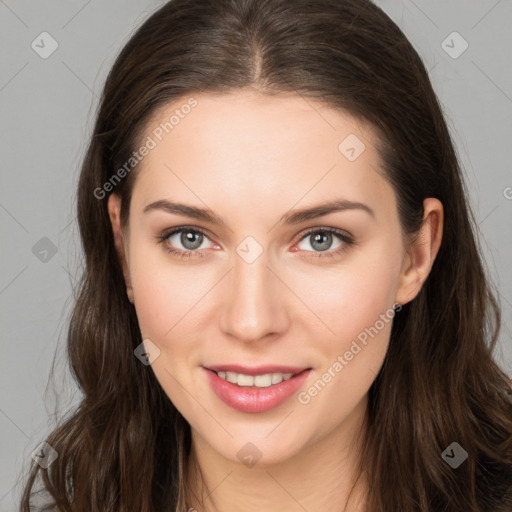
point(260, 381)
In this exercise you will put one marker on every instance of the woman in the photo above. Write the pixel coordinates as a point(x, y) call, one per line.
point(284, 304)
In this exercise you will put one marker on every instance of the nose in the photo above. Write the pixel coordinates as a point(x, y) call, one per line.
point(254, 302)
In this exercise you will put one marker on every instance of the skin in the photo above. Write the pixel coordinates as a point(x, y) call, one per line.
point(251, 159)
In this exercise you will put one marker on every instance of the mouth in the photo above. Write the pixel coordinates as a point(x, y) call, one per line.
point(256, 393)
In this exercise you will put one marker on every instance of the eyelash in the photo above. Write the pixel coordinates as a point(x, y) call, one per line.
point(346, 239)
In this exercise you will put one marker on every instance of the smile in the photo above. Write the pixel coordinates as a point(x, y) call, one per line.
point(255, 393)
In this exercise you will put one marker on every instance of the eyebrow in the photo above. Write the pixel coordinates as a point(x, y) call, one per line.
point(290, 218)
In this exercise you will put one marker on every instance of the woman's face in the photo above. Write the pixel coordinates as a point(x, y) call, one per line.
point(258, 289)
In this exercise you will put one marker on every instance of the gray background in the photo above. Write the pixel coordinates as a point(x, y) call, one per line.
point(48, 108)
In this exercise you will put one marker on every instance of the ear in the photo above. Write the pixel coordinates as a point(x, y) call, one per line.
point(422, 253)
point(114, 211)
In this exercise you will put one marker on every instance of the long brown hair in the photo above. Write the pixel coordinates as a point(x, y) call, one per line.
point(125, 447)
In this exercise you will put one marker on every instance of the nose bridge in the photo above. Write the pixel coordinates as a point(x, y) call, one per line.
point(254, 304)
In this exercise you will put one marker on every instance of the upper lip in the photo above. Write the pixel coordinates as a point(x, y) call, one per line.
point(256, 370)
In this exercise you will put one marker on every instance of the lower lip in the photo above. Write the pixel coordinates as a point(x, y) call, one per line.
point(252, 399)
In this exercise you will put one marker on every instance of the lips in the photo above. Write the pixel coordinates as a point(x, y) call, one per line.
point(254, 399)
point(256, 370)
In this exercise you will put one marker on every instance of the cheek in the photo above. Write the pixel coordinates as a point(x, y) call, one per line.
point(356, 303)
point(164, 292)
point(361, 315)
point(352, 295)
point(154, 309)
point(164, 298)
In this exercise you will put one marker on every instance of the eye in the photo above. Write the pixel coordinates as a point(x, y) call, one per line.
point(191, 239)
point(321, 240)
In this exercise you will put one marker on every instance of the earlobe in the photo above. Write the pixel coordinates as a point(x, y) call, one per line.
point(422, 252)
point(114, 211)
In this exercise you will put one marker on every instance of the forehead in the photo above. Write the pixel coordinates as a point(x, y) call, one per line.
point(256, 147)
point(254, 119)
